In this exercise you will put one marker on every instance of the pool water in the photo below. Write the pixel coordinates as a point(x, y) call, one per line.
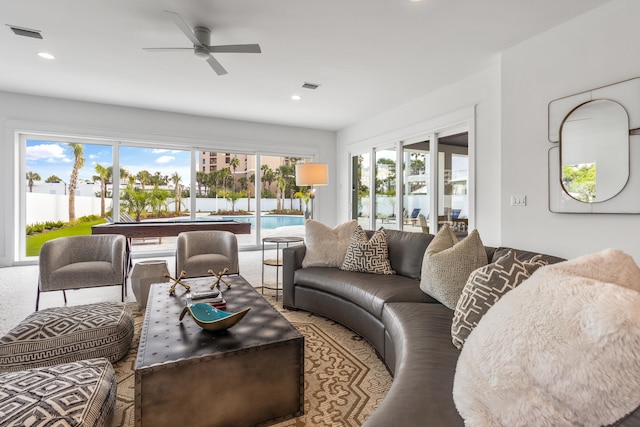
point(269, 222)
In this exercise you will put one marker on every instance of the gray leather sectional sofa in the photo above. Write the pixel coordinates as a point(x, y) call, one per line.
point(410, 330)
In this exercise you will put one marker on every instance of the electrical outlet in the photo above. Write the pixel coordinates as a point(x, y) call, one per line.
point(518, 200)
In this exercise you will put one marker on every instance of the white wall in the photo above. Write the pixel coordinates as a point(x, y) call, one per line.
point(481, 90)
point(40, 114)
point(593, 50)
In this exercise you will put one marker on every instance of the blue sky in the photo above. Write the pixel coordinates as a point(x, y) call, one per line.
point(56, 158)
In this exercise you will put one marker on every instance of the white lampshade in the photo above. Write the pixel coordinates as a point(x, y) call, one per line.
point(313, 174)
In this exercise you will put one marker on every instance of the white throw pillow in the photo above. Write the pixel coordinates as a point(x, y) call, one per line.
point(326, 246)
point(560, 349)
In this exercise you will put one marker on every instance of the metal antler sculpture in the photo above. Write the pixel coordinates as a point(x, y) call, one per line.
point(176, 282)
point(219, 278)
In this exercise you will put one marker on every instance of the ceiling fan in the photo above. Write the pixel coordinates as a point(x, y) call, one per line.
point(201, 37)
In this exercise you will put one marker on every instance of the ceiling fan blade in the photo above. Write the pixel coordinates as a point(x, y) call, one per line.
point(217, 67)
point(184, 27)
point(241, 48)
point(167, 49)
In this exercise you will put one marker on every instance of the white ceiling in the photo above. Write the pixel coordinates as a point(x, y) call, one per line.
point(367, 55)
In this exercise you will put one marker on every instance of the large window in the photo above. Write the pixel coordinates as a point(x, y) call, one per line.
point(69, 185)
point(361, 206)
point(385, 189)
point(416, 188)
point(66, 182)
point(434, 188)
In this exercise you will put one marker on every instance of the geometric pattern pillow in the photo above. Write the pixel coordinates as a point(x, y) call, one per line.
point(368, 255)
point(80, 393)
point(448, 263)
point(484, 288)
point(67, 334)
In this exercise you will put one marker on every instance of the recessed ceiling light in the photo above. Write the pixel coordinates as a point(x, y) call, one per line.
point(46, 55)
point(296, 97)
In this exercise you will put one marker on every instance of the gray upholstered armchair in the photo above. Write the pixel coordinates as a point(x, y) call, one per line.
point(82, 262)
point(199, 251)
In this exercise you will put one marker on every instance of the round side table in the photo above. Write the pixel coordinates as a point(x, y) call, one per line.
point(277, 261)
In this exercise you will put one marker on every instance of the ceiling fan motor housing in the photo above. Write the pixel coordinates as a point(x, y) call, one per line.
point(204, 37)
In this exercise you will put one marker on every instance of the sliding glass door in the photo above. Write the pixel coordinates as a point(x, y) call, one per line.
point(421, 190)
point(68, 185)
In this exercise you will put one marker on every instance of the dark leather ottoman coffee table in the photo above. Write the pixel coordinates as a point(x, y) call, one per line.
point(252, 373)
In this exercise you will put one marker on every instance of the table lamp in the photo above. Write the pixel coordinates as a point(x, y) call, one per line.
point(312, 174)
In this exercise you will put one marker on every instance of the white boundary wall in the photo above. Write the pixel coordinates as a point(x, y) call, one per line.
point(43, 207)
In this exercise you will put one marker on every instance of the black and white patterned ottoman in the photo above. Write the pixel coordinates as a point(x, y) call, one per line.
point(68, 334)
point(80, 393)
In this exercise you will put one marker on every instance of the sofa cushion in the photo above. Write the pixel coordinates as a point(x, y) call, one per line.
point(560, 349)
point(421, 392)
point(326, 246)
point(484, 288)
point(368, 291)
point(367, 255)
point(406, 251)
point(448, 263)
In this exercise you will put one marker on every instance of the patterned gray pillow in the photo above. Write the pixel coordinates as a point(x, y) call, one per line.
point(368, 255)
point(448, 263)
point(484, 288)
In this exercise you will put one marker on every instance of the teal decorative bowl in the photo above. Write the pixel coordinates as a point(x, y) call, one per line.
point(212, 319)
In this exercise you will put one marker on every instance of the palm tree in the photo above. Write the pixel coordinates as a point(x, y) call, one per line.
point(144, 177)
point(224, 173)
point(252, 180)
point(213, 180)
point(31, 177)
point(281, 185)
point(78, 163)
point(303, 195)
point(201, 178)
point(269, 177)
point(263, 178)
point(53, 178)
point(136, 200)
point(103, 175)
point(157, 199)
point(175, 179)
point(286, 179)
point(234, 163)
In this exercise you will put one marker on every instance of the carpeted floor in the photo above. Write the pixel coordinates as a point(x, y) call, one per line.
point(344, 379)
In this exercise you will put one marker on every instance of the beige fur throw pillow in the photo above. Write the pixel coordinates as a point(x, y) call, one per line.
point(326, 246)
point(560, 349)
point(448, 263)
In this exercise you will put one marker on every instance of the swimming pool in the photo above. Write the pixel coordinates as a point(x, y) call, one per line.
point(269, 222)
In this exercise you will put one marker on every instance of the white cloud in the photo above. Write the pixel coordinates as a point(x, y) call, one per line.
point(164, 150)
point(48, 152)
point(165, 159)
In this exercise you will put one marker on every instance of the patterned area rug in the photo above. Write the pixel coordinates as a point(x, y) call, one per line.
point(344, 379)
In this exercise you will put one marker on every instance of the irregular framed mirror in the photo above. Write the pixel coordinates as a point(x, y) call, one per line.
point(594, 151)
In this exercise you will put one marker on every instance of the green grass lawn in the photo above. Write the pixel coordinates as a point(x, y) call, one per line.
point(34, 243)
